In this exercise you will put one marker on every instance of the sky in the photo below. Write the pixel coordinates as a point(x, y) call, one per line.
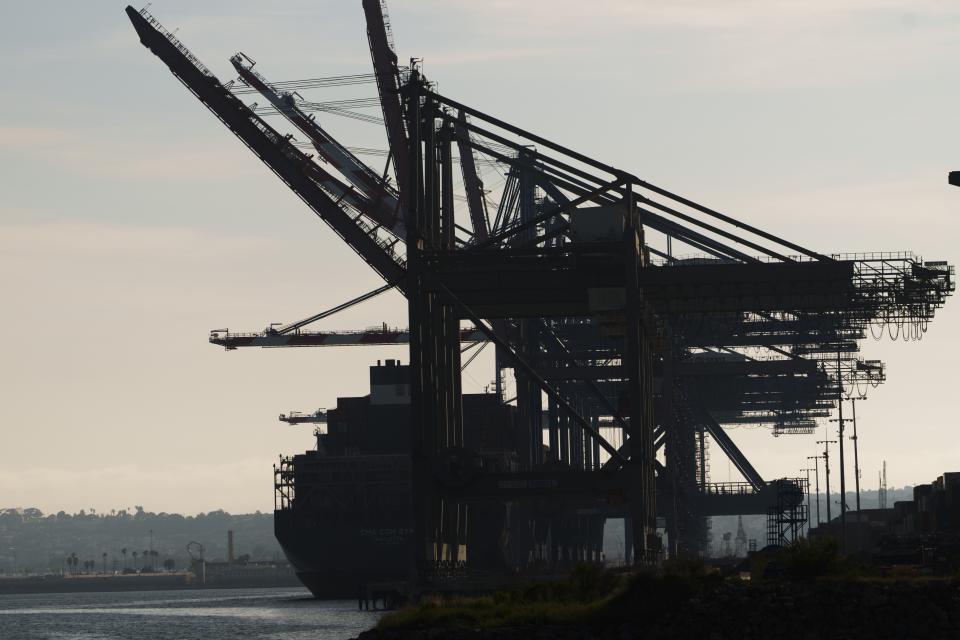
point(132, 222)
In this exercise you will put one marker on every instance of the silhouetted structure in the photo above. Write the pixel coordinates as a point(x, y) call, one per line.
point(618, 349)
point(925, 530)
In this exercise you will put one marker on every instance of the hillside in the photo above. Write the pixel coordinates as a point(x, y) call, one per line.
point(36, 542)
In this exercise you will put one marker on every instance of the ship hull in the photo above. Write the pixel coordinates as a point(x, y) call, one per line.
point(339, 560)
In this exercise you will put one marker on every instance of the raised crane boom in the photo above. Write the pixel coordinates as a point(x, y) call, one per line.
point(295, 168)
point(388, 84)
point(384, 203)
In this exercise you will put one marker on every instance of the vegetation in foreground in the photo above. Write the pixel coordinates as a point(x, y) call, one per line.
point(686, 596)
point(590, 594)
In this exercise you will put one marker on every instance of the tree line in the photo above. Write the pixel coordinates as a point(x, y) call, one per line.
point(126, 540)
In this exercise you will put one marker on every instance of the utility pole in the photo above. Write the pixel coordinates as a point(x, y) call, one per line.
point(840, 420)
point(826, 463)
point(809, 505)
point(843, 482)
point(816, 476)
point(882, 494)
point(856, 457)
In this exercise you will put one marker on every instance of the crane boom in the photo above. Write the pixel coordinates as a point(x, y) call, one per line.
point(384, 203)
point(385, 335)
point(297, 417)
point(375, 336)
point(295, 168)
point(387, 72)
point(340, 191)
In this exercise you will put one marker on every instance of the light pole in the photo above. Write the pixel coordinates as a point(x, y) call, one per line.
point(816, 479)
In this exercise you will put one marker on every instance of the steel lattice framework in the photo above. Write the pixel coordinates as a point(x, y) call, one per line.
point(619, 349)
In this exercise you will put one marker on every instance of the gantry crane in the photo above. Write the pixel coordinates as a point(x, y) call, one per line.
point(579, 302)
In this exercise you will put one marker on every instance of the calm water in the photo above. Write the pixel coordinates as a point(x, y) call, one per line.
point(211, 614)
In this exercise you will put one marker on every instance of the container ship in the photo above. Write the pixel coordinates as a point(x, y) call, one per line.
point(342, 511)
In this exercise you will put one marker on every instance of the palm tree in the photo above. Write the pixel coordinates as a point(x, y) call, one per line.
point(134, 560)
point(104, 556)
point(146, 559)
point(124, 552)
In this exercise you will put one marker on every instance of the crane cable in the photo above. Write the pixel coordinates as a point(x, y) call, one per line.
point(316, 83)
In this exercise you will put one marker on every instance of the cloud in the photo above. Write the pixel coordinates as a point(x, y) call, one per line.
point(739, 45)
point(20, 137)
point(123, 154)
point(888, 215)
point(437, 57)
point(125, 160)
point(167, 486)
point(70, 241)
point(565, 17)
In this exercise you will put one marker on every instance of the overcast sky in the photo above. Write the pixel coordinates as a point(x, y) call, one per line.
point(132, 222)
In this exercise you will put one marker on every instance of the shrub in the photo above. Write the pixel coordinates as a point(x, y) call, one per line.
point(574, 599)
point(805, 560)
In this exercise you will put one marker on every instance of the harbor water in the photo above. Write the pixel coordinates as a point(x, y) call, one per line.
point(209, 614)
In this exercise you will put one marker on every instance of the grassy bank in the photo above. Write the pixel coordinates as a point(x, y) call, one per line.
point(806, 592)
point(589, 596)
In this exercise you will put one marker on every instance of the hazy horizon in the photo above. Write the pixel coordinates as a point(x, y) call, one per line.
point(114, 511)
point(132, 222)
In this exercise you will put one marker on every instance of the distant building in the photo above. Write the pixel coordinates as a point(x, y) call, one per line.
point(925, 530)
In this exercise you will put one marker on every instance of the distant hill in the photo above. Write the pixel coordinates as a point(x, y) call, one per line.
point(34, 541)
